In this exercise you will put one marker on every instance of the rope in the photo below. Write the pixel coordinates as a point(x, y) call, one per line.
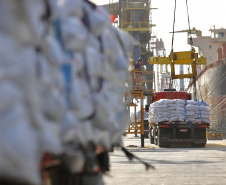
point(212, 82)
point(191, 41)
point(66, 68)
point(215, 87)
point(216, 108)
point(185, 112)
point(132, 156)
point(174, 23)
point(199, 89)
point(200, 113)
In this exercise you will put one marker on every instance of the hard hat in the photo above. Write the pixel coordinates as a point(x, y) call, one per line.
point(140, 59)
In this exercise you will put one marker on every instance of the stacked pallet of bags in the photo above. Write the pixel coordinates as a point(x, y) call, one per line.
point(197, 111)
point(62, 73)
point(179, 110)
point(167, 110)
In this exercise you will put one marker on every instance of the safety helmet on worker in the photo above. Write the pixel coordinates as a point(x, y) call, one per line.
point(140, 59)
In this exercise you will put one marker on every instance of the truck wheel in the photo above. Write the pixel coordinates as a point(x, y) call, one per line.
point(151, 136)
point(160, 144)
point(155, 141)
point(152, 140)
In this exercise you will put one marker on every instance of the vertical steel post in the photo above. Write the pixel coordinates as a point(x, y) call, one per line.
point(142, 116)
point(136, 47)
point(135, 121)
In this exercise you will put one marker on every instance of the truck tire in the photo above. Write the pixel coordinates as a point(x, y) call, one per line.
point(151, 136)
point(160, 143)
point(152, 140)
point(159, 140)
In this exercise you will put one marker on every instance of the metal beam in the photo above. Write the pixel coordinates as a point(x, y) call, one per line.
point(180, 58)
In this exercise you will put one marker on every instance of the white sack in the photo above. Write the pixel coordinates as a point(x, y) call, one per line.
point(207, 113)
point(74, 34)
point(16, 160)
point(177, 101)
point(98, 19)
point(54, 107)
point(81, 100)
point(191, 102)
point(127, 41)
point(111, 45)
point(70, 129)
point(49, 137)
point(75, 131)
point(104, 115)
point(9, 94)
point(24, 20)
point(191, 107)
point(72, 7)
point(52, 51)
point(94, 63)
point(204, 108)
point(78, 60)
point(162, 119)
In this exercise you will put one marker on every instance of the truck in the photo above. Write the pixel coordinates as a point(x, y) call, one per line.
point(167, 133)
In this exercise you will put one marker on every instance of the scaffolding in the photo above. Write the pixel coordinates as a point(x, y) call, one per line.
point(134, 17)
point(113, 7)
point(138, 91)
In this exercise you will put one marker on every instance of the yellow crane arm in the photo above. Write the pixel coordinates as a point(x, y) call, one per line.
point(180, 58)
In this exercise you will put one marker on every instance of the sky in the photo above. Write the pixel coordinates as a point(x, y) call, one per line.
point(202, 14)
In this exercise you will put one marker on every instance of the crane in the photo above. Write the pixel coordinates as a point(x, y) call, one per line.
point(193, 31)
point(182, 58)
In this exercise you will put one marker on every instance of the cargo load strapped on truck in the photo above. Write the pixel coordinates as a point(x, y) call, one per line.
point(174, 121)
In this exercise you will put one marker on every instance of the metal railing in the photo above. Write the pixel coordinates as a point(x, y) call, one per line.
point(135, 25)
point(137, 4)
point(140, 81)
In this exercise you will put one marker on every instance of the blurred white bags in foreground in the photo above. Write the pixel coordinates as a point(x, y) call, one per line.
point(62, 73)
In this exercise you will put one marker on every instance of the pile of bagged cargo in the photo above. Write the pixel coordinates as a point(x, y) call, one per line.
point(171, 110)
point(197, 111)
point(63, 67)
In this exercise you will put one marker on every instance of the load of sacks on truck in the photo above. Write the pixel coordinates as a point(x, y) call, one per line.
point(179, 110)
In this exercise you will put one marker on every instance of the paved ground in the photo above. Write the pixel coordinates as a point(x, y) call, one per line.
point(174, 166)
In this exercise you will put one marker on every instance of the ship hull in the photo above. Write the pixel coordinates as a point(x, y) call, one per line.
point(211, 87)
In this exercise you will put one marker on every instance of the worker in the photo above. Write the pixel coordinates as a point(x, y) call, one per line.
point(138, 74)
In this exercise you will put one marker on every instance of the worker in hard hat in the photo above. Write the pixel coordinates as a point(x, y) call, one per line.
point(138, 74)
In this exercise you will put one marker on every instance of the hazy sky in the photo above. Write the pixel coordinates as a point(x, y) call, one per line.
point(203, 14)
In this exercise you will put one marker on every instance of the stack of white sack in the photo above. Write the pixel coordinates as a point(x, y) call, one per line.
point(197, 111)
point(99, 61)
point(98, 75)
point(62, 73)
point(167, 110)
